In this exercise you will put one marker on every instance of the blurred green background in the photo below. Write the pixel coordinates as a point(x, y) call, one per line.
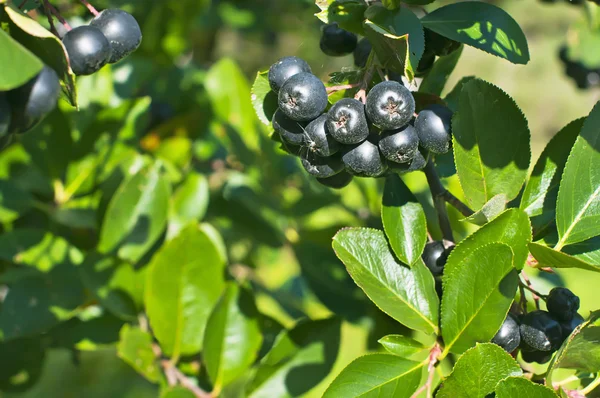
point(196, 64)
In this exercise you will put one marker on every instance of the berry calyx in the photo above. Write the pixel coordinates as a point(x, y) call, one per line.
point(318, 139)
point(337, 181)
point(5, 115)
point(400, 145)
point(390, 105)
point(435, 256)
point(290, 131)
point(89, 50)
point(508, 337)
point(303, 97)
point(122, 31)
point(347, 121)
point(433, 125)
point(562, 304)
point(540, 331)
point(337, 42)
point(364, 160)
point(285, 68)
point(33, 101)
point(322, 167)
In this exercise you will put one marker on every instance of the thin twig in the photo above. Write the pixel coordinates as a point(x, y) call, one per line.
point(333, 89)
point(361, 95)
point(523, 300)
point(432, 360)
point(437, 192)
point(57, 14)
point(22, 4)
point(90, 7)
point(591, 387)
point(528, 286)
point(174, 375)
point(457, 204)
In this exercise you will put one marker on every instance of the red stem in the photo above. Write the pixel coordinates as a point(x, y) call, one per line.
point(333, 89)
point(90, 7)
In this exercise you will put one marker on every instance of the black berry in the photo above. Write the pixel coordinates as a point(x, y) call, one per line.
point(321, 167)
point(285, 68)
point(562, 304)
point(540, 357)
point(289, 130)
point(435, 256)
point(364, 160)
point(337, 181)
point(433, 125)
point(122, 31)
point(318, 139)
point(569, 326)
point(390, 105)
point(399, 145)
point(418, 163)
point(508, 337)
point(5, 114)
point(362, 52)
point(540, 331)
point(34, 100)
point(303, 97)
point(88, 49)
point(347, 121)
point(337, 42)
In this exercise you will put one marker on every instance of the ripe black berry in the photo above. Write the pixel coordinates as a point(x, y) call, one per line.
point(399, 145)
point(337, 42)
point(390, 105)
point(540, 331)
point(435, 256)
point(540, 357)
point(122, 31)
point(508, 337)
point(285, 68)
point(337, 181)
point(88, 49)
point(418, 163)
point(433, 125)
point(290, 130)
point(364, 160)
point(569, 326)
point(362, 52)
point(321, 167)
point(562, 304)
point(303, 97)
point(318, 139)
point(347, 121)
point(34, 100)
point(5, 112)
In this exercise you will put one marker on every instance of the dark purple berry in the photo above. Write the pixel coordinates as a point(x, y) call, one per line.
point(321, 167)
point(390, 105)
point(569, 326)
point(285, 68)
point(289, 130)
point(562, 304)
point(337, 181)
point(540, 331)
point(318, 139)
point(122, 31)
point(303, 97)
point(364, 160)
point(337, 42)
point(400, 145)
point(508, 337)
point(435, 256)
point(433, 125)
point(347, 121)
point(89, 50)
point(540, 357)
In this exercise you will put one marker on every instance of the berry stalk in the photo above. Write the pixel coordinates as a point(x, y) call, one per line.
point(56, 13)
point(90, 7)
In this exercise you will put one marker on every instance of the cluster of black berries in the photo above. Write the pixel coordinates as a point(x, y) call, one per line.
point(111, 36)
point(540, 333)
point(583, 76)
point(352, 138)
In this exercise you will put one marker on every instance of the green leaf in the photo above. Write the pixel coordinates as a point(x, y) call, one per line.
point(189, 202)
point(483, 26)
point(14, 201)
point(397, 38)
point(541, 191)
point(521, 387)
point(136, 215)
point(418, 2)
point(478, 371)
point(478, 291)
point(184, 282)
point(377, 375)
point(400, 345)
point(452, 99)
point(12, 53)
point(348, 14)
point(391, 4)
point(548, 257)
point(403, 220)
point(489, 211)
point(406, 294)
point(21, 364)
point(435, 80)
point(177, 392)
point(310, 345)
point(491, 143)
point(233, 337)
point(135, 348)
point(46, 46)
point(264, 100)
point(578, 203)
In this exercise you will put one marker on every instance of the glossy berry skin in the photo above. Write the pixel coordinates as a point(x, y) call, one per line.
point(318, 139)
point(390, 105)
point(285, 68)
point(290, 131)
point(337, 181)
point(418, 163)
point(569, 326)
point(400, 145)
point(33, 101)
point(562, 304)
point(364, 160)
point(540, 331)
point(435, 256)
point(508, 337)
point(122, 31)
point(89, 50)
point(347, 121)
point(5, 114)
point(337, 42)
point(303, 97)
point(362, 52)
point(433, 125)
point(540, 357)
point(322, 167)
